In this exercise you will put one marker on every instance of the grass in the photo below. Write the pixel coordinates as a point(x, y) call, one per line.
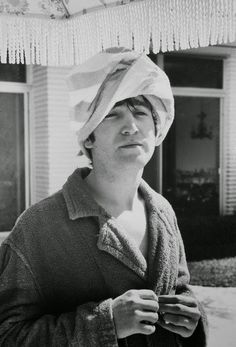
point(214, 272)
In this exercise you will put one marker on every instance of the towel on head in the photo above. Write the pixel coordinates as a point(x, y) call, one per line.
point(111, 76)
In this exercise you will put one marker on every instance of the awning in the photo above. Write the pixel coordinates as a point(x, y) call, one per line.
point(66, 32)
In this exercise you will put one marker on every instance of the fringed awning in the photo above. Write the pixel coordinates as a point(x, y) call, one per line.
point(159, 25)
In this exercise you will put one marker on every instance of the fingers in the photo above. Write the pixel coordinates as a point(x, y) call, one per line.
point(183, 331)
point(147, 294)
point(179, 313)
point(177, 320)
point(134, 298)
point(180, 309)
point(149, 305)
point(135, 312)
point(146, 329)
point(178, 299)
point(143, 300)
point(146, 317)
point(180, 305)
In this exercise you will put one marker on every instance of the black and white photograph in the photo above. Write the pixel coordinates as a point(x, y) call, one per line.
point(117, 173)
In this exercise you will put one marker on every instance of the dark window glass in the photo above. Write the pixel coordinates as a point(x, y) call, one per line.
point(12, 168)
point(13, 72)
point(189, 71)
point(153, 57)
point(191, 157)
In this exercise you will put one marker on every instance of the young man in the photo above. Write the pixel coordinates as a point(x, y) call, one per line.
point(101, 262)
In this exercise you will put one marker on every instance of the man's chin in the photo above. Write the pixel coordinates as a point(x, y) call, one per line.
point(139, 160)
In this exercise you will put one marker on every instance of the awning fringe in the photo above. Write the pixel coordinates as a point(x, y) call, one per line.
point(160, 25)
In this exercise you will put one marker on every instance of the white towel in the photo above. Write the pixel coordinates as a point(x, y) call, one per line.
point(111, 76)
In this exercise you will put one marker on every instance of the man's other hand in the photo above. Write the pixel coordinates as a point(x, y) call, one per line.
point(179, 314)
point(135, 312)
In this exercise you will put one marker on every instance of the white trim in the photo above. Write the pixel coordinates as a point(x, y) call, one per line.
point(221, 161)
point(27, 150)
point(17, 149)
point(201, 92)
point(14, 87)
point(29, 76)
point(160, 63)
point(31, 130)
point(32, 149)
point(214, 52)
point(227, 205)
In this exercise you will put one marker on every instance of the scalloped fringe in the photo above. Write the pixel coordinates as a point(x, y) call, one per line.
point(159, 25)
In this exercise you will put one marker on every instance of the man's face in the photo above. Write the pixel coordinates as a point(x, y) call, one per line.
point(126, 136)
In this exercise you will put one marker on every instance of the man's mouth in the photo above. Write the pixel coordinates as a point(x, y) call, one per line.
point(131, 145)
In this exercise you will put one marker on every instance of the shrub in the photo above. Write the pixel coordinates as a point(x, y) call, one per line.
point(208, 237)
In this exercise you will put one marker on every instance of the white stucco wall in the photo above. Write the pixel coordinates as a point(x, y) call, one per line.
point(229, 135)
point(54, 147)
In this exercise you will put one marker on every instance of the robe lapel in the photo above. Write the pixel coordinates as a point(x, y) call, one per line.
point(161, 271)
point(112, 239)
point(162, 248)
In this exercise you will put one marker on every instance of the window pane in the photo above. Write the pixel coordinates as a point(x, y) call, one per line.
point(191, 157)
point(13, 72)
point(12, 172)
point(188, 71)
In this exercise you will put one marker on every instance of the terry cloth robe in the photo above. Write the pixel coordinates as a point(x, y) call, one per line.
point(65, 260)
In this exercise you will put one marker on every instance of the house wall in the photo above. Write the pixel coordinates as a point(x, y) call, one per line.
point(54, 147)
point(229, 135)
point(39, 134)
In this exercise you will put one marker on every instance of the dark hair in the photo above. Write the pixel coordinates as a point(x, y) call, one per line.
point(134, 101)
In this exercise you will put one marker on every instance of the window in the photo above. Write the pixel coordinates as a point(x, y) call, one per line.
point(191, 156)
point(191, 150)
point(13, 73)
point(12, 145)
point(190, 71)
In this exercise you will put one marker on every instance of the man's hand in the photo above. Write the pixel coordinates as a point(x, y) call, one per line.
point(135, 312)
point(179, 314)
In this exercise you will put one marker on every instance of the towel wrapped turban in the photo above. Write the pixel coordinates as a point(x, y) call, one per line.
point(111, 76)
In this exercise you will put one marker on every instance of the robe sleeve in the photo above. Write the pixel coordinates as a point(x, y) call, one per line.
point(23, 321)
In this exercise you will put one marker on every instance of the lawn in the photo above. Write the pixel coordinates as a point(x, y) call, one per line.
point(214, 272)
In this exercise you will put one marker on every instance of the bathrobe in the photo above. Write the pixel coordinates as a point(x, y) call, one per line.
point(67, 258)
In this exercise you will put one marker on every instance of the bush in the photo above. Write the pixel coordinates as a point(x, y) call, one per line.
point(213, 273)
point(208, 237)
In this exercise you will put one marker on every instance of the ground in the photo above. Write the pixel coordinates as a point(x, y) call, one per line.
point(220, 306)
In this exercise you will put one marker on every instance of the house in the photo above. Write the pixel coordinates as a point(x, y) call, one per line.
point(195, 168)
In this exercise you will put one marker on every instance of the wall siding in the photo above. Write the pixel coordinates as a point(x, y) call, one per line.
point(39, 134)
point(62, 141)
point(54, 145)
point(229, 135)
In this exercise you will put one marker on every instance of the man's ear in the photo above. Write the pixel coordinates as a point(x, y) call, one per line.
point(88, 143)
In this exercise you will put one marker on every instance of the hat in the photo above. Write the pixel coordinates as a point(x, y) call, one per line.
point(111, 76)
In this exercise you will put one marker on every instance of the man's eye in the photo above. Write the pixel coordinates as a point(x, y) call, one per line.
point(111, 115)
point(141, 113)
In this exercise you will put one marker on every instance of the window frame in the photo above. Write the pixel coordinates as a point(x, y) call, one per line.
point(24, 89)
point(211, 52)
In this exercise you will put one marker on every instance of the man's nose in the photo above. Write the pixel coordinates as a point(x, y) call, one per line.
point(130, 126)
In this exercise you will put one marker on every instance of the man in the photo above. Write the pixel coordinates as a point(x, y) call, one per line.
point(101, 262)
